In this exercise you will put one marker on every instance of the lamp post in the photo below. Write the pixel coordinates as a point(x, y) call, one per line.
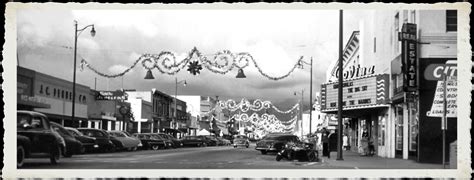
point(301, 110)
point(77, 32)
point(310, 90)
point(176, 99)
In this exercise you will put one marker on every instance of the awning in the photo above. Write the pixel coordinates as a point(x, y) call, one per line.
point(184, 130)
point(357, 111)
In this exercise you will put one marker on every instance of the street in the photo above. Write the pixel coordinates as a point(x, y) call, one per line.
point(216, 157)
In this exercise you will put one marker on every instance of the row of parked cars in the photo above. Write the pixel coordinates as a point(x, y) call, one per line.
point(38, 137)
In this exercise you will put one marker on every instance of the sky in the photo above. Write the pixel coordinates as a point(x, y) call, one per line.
point(275, 38)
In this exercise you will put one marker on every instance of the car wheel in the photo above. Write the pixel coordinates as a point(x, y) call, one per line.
point(55, 155)
point(20, 156)
point(155, 147)
point(263, 152)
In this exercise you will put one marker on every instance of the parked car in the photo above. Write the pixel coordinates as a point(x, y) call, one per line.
point(241, 141)
point(102, 138)
point(168, 143)
point(88, 143)
point(211, 140)
point(73, 146)
point(275, 142)
point(176, 142)
point(149, 141)
point(36, 138)
point(125, 141)
point(223, 141)
point(199, 141)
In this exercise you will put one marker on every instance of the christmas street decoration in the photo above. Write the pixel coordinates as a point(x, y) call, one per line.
point(244, 106)
point(221, 63)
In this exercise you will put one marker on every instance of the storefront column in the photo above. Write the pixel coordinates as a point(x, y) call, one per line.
point(89, 124)
point(139, 126)
point(391, 133)
point(405, 131)
point(109, 125)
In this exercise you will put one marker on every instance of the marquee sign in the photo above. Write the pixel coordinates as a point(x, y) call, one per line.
point(360, 92)
point(111, 95)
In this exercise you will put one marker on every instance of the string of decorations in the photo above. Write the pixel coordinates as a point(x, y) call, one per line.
point(265, 122)
point(221, 63)
point(244, 106)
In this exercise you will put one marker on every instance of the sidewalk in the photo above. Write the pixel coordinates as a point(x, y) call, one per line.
point(354, 160)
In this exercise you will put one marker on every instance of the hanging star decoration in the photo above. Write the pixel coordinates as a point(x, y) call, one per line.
point(194, 67)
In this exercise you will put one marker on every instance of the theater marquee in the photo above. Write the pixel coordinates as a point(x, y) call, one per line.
point(357, 93)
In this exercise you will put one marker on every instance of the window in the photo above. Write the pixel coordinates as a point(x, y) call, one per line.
point(67, 95)
point(54, 92)
point(357, 89)
point(62, 94)
point(451, 20)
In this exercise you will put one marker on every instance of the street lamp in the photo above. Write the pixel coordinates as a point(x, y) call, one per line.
point(301, 109)
point(77, 32)
point(176, 99)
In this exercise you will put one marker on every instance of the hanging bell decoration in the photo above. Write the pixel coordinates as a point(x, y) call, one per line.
point(300, 65)
point(149, 75)
point(240, 74)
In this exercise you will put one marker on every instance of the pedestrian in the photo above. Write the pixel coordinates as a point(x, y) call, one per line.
point(364, 143)
point(325, 140)
point(345, 142)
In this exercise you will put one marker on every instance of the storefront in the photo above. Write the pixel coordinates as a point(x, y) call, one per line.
point(25, 89)
point(108, 111)
point(365, 109)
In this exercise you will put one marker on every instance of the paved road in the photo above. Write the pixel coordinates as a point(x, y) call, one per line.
point(221, 157)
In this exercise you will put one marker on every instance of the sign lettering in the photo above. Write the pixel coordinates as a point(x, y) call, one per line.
point(409, 56)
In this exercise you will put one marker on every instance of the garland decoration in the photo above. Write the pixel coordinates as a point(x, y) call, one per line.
point(221, 63)
point(244, 106)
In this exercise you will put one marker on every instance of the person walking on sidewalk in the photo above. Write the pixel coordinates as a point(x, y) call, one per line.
point(325, 140)
point(345, 142)
point(364, 142)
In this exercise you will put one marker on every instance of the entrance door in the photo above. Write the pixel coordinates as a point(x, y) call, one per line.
point(399, 131)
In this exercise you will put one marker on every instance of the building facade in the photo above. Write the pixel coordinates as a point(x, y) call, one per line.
point(407, 50)
point(109, 111)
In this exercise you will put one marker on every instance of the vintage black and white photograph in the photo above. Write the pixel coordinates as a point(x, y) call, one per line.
point(222, 86)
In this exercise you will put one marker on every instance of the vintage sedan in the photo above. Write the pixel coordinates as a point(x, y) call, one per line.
point(275, 142)
point(199, 141)
point(223, 141)
point(73, 146)
point(36, 138)
point(149, 141)
point(211, 140)
point(241, 141)
point(102, 138)
point(88, 142)
point(176, 142)
point(126, 142)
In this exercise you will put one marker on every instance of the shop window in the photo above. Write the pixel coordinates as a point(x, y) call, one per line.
point(451, 20)
point(399, 128)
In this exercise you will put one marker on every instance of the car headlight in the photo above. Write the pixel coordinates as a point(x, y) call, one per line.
point(96, 145)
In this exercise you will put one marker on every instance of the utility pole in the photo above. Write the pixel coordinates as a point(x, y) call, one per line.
point(339, 103)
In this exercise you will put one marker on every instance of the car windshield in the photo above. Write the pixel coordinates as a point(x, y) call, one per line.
point(117, 134)
point(93, 133)
point(156, 137)
point(23, 119)
point(60, 129)
point(74, 132)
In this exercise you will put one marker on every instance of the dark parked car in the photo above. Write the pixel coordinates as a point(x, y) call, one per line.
point(36, 138)
point(211, 140)
point(73, 146)
point(194, 141)
point(102, 138)
point(176, 142)
point(275, 142)
point(88, 142)
point(223, 141)
point(149, 141)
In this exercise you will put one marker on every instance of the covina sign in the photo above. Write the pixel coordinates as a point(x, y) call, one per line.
point(355, 72)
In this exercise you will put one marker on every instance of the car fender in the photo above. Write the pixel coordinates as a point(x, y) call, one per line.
point(25, 142)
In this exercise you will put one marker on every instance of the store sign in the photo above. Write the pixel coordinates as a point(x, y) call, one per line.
point(111, 95)
point(24, 85)
point(437, 72)
point(409, 56)
point(352, 72)
point(370, 90)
